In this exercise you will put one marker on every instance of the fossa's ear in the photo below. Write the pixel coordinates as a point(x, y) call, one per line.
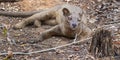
point(66, 12)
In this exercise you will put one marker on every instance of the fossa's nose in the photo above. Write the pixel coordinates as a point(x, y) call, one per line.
point(74, 25)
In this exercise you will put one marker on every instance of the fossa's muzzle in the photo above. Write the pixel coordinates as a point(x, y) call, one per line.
point(74, 23)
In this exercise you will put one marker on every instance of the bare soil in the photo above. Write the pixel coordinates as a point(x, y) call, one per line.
point(7, 34)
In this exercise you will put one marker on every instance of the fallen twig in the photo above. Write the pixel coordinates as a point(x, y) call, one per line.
point(16, 53)
point(49, 49)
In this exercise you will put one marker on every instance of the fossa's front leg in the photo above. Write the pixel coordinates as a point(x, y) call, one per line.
point(47, 34)
point(37, 23)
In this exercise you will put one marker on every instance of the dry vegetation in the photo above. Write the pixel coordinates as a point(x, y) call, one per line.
point(101, 12)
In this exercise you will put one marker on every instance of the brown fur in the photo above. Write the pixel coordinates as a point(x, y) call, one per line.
point(63, 28)
point(19, 14)
point(66, 18)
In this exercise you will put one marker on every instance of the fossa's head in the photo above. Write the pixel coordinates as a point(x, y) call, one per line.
point(72, 19)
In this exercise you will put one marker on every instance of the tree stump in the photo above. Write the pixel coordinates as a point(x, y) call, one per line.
point(101, 45)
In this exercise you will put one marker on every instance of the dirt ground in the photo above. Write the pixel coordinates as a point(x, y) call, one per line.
point(7, 34)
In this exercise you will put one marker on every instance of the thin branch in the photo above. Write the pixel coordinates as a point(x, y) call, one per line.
point(15, 53)
point(49, 49)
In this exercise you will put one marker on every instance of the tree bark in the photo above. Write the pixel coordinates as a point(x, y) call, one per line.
point(101, 45)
